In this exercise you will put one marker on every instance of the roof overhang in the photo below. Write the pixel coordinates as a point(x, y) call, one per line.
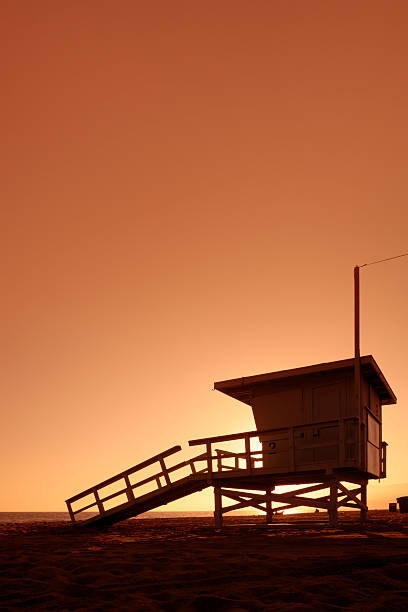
point(242, 388)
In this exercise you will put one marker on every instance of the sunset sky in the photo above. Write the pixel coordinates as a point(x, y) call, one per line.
point(186, 187)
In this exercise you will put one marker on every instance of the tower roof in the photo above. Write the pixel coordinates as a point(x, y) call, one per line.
point(241, 388)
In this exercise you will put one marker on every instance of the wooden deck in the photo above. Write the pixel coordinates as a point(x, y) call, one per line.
point(230, 473)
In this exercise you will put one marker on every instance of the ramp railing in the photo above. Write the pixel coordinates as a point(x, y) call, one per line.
point(96, 499)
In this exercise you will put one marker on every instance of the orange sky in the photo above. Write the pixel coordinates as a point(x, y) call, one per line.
point(186, 187)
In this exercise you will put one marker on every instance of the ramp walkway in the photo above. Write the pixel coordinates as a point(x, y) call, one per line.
point(163, 490)
point(131, 492)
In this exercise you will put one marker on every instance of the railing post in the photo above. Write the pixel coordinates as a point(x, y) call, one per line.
point(193, 467)
point(165, 472)
point(209, 459)
point(219, 460)
point(248, 452)
point(98, 502)
point(129, 491)
point(71, 513)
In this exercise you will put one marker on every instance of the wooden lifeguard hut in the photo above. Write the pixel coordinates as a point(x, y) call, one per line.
point(313, 431)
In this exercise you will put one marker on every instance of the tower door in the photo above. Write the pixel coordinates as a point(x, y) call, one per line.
point(373, 445)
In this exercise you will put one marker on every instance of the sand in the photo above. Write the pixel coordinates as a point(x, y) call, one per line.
point(184, 564)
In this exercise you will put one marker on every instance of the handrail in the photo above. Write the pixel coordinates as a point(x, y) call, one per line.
point(236, 436)
point(135, 468)
point(128, 489)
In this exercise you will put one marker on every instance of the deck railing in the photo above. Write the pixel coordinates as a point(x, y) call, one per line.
point(255, 459)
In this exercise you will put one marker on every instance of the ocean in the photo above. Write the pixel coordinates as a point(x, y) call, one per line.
point(32, 517)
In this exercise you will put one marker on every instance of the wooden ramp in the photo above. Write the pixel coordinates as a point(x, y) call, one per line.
point(153, 483)
point(124, 501)
point(147, 502)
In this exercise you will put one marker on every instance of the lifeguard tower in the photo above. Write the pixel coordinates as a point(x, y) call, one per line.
point(318, 432)
point(310, 435)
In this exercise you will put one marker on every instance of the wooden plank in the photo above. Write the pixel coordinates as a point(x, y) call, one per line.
point(140, 483)
point(98, 502)
point(248, 453)
point(165, 472)
point(129, 490)
point(352, 494)
point(282, 508)
point(242, 502)
point(226, 438)
point(85, 508)
point(112, 495)
point(316, 487)
point(233, 493)
point(209, 459)
point(296, 500)
point(71, 513)
point(219, 460)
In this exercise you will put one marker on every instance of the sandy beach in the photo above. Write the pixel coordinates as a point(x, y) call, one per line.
point(184, 564)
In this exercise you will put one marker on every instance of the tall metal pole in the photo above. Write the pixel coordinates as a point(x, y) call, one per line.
point(357, 380)
point(357, 365)
point(357, 383)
